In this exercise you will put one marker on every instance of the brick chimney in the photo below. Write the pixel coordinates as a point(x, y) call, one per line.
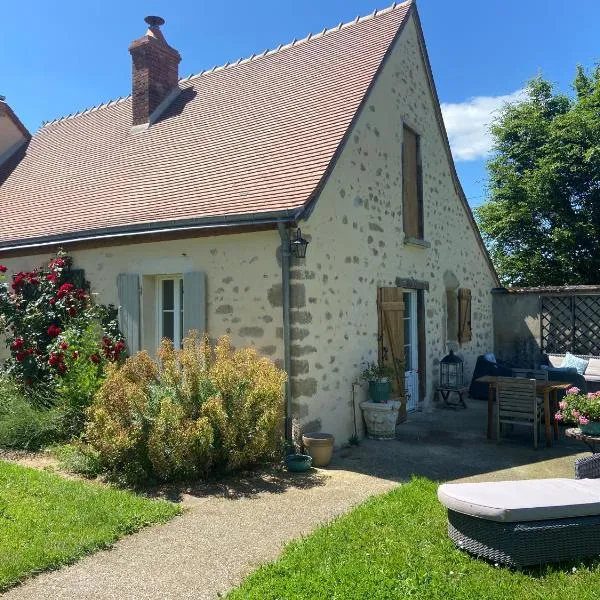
point(155, 73)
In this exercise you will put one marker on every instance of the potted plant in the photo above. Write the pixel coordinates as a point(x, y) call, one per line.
point(381, 414)
point(582, 410)
point(378, 377)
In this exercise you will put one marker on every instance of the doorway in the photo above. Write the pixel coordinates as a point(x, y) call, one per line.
point(411, 349)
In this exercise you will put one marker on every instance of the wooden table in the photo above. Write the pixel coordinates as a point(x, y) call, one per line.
point(591, 441)
point(542, 387)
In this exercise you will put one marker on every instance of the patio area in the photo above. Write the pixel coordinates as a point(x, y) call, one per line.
point(448, 445)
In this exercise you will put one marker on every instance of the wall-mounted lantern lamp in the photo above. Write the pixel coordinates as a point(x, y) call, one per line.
point(298, 245)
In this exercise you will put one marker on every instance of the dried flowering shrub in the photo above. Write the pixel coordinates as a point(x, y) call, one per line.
point(199, 409)
point(44, 314)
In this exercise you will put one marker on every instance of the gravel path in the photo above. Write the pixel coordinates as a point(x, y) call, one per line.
point(225, 533)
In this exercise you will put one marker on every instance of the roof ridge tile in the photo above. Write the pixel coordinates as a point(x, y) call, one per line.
point(229, 65)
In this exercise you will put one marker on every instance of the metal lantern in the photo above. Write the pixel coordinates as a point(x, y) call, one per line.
point(451, 371)
point(298, 245)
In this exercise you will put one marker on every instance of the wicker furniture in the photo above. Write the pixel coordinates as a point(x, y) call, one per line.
point(525, 523)
point(591, 441)
point(518, 404)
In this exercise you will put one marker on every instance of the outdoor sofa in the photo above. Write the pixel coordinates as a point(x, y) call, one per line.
point(591, 375)
point(531, 522)
point(487, 364)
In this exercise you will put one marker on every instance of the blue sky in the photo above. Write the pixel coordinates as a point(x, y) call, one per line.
point(61, 57)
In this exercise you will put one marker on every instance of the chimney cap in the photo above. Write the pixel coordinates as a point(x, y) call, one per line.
point(154, 21)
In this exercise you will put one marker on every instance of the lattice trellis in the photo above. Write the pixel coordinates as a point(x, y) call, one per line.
point(570, 324)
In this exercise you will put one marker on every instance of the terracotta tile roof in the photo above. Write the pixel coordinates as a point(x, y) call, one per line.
point(252, 138)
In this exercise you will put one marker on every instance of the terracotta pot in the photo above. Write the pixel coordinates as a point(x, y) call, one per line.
point(319, 446)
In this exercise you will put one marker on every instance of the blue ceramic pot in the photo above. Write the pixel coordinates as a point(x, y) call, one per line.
point(592, 428)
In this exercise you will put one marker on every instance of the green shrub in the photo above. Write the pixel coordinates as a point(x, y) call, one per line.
point(199, 409)
point(22, 425)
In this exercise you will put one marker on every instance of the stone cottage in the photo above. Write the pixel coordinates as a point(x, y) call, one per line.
point(181, 204)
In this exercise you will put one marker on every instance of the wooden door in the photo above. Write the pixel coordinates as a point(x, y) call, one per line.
point(390, 307)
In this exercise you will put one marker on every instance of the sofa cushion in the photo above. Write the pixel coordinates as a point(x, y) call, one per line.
point(555, 360)
point(571, 360)
point(490, 356)
point(592, 377)
point(528, 500)
point(593, 367)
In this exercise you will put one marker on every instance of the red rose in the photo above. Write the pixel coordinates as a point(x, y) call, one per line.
point(72, 311)
point(64, 289)
point(3, 269)
point(17, 343)
point(30, 351)
point(54, 331)
point(80, 294)
point(61, 368)
point(52, 301)
point(75, 355)
point(63, 345)
point(95, 358)
point(56, 263)
point(52, 277)
point(53, 360)
point(106, 341)
point(21, 356)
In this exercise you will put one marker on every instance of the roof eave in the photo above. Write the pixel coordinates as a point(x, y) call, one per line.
point(152, 229)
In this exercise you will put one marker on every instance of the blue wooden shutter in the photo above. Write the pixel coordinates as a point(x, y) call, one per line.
point(194, 302)
point(128, 286)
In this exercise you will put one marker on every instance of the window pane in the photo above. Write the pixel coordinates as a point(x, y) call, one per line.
point(168, 299)
point(168, 325)
point(407, 358)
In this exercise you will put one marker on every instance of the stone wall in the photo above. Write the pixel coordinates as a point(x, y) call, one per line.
point(357, 244)
point(517, 328)
point(242, 275)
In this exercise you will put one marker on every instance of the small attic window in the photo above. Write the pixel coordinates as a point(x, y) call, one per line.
point(412, 186)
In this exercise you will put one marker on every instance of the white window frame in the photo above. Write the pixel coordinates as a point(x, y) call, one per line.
point(177, 309)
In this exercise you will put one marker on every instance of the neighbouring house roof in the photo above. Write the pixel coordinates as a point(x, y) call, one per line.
point(247, 141)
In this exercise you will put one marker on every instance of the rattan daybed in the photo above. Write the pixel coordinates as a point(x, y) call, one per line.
point(532, 522)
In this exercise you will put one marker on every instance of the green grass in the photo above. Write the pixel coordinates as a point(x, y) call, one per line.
point(396, 546)
point(47, 521)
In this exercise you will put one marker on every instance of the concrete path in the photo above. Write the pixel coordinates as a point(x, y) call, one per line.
point(225, 533)
point(230, 529)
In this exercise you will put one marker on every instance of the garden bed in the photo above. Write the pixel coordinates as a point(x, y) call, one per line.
point(47, 521)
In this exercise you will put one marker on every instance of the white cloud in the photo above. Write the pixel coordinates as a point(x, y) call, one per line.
point(467, 124)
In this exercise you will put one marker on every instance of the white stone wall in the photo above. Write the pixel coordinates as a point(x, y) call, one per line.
point(358, 244)
point(243, 276)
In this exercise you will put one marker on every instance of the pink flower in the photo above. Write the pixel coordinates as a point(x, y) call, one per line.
point(591, 395)
point(576, 414)
point(583, 420)
point(558, 416)
point(573, 390)
point(562, 405)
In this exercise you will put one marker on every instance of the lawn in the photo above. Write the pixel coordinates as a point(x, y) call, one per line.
point(47, 521)
point(395, 546)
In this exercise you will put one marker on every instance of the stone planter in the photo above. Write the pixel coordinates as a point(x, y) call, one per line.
point(319, 446)
point(380, 419)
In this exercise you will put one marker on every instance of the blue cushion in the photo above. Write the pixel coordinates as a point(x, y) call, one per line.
point(490, 357)
point(559, 369)
point(570, 360)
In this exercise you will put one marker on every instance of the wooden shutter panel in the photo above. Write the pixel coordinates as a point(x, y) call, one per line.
point(128, 287)
point(194, 302)
point(464, 315)
point(390, 304)
point(410, 184)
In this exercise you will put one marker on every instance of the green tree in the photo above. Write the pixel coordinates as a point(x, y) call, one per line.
point(541, 221)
